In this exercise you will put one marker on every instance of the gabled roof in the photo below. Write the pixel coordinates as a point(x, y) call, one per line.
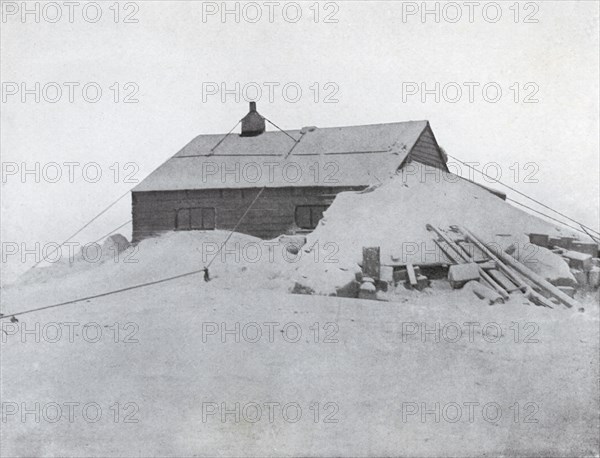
point(337, 156)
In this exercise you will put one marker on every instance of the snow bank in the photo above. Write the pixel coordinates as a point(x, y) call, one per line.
point(328, 279)
point(394, 216)
point(543, 262)
point(246, 263)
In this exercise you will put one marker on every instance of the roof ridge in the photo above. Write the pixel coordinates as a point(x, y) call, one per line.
point(274, 131)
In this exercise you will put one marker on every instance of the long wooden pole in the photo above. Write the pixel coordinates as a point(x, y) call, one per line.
point(535, 278)
point(507, 270)
point(464, 255)
point(514, 276)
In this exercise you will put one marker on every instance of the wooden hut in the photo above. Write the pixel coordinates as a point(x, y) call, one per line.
point(213, 180)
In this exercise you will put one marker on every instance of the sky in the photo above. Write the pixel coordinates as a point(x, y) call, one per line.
point(123, 86)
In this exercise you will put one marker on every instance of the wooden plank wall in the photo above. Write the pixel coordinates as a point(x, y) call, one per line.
point(271, 215)
point(427, 151)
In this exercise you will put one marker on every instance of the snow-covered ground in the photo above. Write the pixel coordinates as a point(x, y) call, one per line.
point(239, 366)
point(160, 384)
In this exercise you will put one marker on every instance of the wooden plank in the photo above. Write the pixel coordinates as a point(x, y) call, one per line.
point(447, 252)
point(412, 277)
point(371, 262)
point(503, 280)
point(476, 254)
point(508, 271)
point(483, 292)
point(461, 253)
point(542, 283)
point(489, 265)
point(528, 291)
point(452, 251)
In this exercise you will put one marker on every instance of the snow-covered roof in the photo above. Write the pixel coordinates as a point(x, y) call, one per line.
point(336, 156)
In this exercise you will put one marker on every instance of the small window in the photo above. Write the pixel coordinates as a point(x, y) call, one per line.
point(190, 219)
point(182, 221)
point(308, 216)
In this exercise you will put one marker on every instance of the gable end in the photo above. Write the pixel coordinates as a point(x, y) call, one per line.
point(427, 151)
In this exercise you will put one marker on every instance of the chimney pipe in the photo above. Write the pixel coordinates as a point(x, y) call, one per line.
point(253, 123)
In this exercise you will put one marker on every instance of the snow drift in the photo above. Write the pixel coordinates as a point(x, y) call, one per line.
point(394, 216)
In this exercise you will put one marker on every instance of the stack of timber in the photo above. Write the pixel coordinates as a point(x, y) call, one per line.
point(527, 282)
point(500, 272)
